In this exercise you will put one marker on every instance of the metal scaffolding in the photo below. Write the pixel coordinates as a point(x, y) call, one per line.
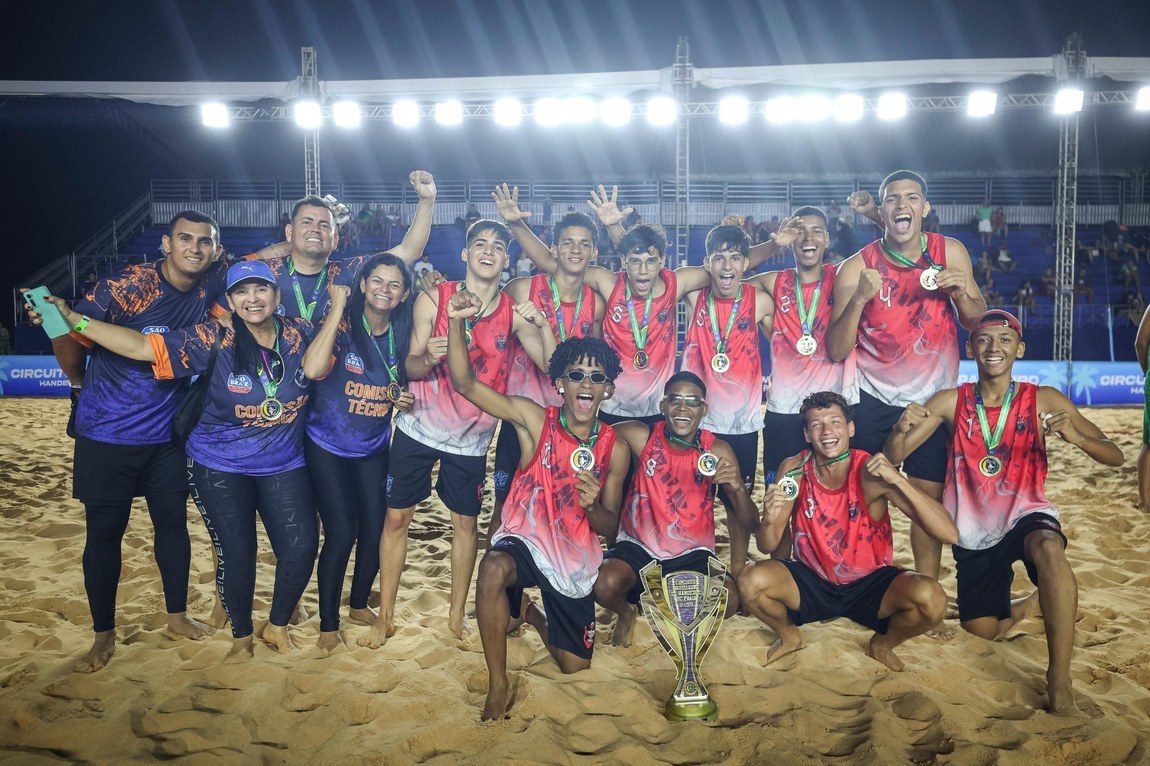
point(1065, 212)
point(683, 76)
point(309, 86)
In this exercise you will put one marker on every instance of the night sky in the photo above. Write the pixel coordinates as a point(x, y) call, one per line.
point(69, 168)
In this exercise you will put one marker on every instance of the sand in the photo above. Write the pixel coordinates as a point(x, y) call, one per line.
point(418, 699)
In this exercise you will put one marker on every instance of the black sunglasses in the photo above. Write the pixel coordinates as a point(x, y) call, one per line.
point(676, 399)
point(576, 376)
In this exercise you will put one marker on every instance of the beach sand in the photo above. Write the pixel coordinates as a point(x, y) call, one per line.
point(418, 699)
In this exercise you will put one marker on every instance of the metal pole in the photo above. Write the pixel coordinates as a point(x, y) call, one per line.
point(309, 86)
point(1065, 215)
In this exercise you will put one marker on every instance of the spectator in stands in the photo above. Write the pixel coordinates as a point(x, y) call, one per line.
point(1024, 298)
point(349, 237)
point(421, 268)
point(844, 244)
point(834, 213)
point(931, 223)
point(365, 223)
point(984, 267)
point(1090, 251)
point(1133, 306)
point(1005, 262)
point(5, 341)
point(1048, 283)
point(1083, 287)
point(999, 224)
point(751, 228)
point(471, 216)
point(982, 217)
point(523, 266)
point(391, 223)
point(991, 293)
point(547, 208)
point(90, 280)
point(1128, 274)
point(285, 220)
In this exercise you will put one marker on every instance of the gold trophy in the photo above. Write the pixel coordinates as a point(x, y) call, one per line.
point(685, 610)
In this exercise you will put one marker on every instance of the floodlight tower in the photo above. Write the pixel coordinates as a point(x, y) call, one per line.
point(683, 77)
point(1065, 209)
point(309, 88)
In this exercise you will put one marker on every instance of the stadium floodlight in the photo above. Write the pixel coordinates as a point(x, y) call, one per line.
point(308, 114)
point(891, 106)
point(449, 112)
point(733, 110)
point(405, 114)
point(662, 110)
point(578, 110)
point(508, 111)
point(780, 110)
point(549, 112)
point(214, 115)
point(1068, 101)
point(1142, 102)
point(615, 111)
point(346, 114)
point(814, 108)
point(848, 107)
point(981, 103)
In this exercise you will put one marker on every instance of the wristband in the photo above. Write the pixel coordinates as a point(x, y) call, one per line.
point(79, 327)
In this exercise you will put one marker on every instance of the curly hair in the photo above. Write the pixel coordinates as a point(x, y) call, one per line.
point(820, 400)
point(572, 350)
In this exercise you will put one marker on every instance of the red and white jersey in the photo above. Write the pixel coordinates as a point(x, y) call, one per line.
point(526, 379)
point(543, 510)
point(834, 532)
point(670, 506)
point(734, 398)
point(907, 338)
point(985, 508)
point(794, 375)
point(638, 391)
point(442, 418)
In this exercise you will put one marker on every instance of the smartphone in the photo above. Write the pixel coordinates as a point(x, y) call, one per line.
point(53, 320)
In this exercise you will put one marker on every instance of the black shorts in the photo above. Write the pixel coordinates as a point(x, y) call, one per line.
point(859, 601)
point(107, 474)
point(507, 455)
point(873, 423)
point(570, 621)
point(746, 449)
point(985, 576)
point(782, 438)
point(636, 557)
point(460, 483)
point(611, 420)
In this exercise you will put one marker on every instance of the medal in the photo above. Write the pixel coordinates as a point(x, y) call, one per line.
point(720, 362)
point(470, 322)
point(394, 391)
point(806, 345)
point(641, 360)
point(929, 278)
point(467, 335)
point(640, 335)
point(990, 466)
point(789, 486)
point(582, 459)
point(708, 464)
point(271, 409)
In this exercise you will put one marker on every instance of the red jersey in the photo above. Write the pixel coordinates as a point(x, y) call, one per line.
point(985, 508)
point(907, 337)
point(670, 507)
point(543, 510)
point(835, 534)
point(639, 390)
point(442, 418)
point(526, 379)
point(794, 375)
point(734, 396)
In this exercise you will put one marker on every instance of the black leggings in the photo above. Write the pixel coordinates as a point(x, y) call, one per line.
point(229, 502)
point(352, 504)
point(105, 536)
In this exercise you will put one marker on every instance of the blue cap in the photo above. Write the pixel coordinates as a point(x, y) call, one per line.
point(245, 270)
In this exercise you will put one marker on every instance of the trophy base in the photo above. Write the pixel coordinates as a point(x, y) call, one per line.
point(691, 710)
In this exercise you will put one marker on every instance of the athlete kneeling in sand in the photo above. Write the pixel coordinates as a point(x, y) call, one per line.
point(837, 500)
point(564, 495)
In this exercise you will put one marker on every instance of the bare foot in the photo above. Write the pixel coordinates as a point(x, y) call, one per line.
point(278, 638)
point(460, 627)
point(877, 650)
point(365, 616)
point(941, 632)
point(219, 616)
point(1061, 698)
point(242, 650)
point(791, 640)
point(298, 615)
point(1144, 508)
point(1025, 608)
point(624, 626)
point(496, 704)
point(329, 641)
point(181, 625)
point(376, 635)
point(103, 647)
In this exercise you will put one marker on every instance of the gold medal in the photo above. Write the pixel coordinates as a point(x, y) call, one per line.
point(467, 335)
point(582, 459)
point(641, 359)
point(394, 391)
point(929, 279)
point(271, 409)
point(990, 466)
point(806, 345)
point(720, 362)
point(708, 464)
point(790, 487)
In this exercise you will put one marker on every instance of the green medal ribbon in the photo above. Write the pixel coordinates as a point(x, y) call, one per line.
point(807, 314)
point(640, 335)
point(902, 259)
point(306, 308)
point(695, 445)
point(590, 443)
point(558, 307)
point(389, 361)
point(721, 343)
point(270, 385)
point(992, 441)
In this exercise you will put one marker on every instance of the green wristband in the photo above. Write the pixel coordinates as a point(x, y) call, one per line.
point(79, 327)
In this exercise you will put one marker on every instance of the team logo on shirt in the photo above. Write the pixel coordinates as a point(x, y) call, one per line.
point(300, 378)
point(743, 323)
point(586, 328)
point(501, 342)
point(663, 315)
point(239, 384)
point(155, 329)
point(589, 635)
point(353, 363)
point(280, 310)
